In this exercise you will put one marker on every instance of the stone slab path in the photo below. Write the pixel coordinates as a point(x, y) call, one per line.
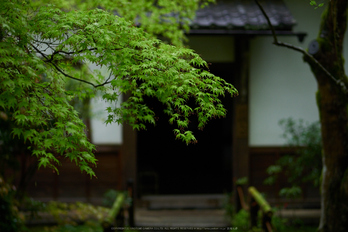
point(199, 218)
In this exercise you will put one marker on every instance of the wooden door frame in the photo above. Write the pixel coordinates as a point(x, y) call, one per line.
point(240, 144)
point(240, 160)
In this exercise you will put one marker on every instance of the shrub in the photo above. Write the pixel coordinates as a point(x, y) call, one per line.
point(10, 220)
point(303, 167)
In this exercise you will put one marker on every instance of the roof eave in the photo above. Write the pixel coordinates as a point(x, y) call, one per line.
point(300, 35)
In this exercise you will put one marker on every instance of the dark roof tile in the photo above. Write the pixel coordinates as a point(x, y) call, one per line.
point(243, 15)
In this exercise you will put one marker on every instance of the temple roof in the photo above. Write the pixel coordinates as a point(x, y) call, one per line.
point(242, 17)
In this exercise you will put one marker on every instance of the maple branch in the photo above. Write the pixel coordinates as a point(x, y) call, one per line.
point(301, 50)
point(49, 60)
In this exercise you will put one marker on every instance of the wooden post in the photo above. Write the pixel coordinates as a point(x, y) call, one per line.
point(266, 222)
point(265, 207)
point(131, 206)
point(241, 201)
point(113, 217)
point(254, 209)
point(240, 159)
point(260, 200)
point(128, 156)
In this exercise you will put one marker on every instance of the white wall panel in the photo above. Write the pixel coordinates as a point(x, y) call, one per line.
point(281, 84)
point(100, 132)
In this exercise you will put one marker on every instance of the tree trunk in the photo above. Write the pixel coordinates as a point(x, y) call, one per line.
point(332, 104)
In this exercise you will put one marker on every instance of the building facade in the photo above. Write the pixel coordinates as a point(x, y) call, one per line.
point(273, 83)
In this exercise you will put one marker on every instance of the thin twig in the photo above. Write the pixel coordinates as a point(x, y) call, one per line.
point(304, 52)
point(268, 21)
point(49, 60)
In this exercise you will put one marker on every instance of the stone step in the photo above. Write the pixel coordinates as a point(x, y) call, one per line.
point(203, 219)
point(206, 201)
point(307, 216)
point(183, 219)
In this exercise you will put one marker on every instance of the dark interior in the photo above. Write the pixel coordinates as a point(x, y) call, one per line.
point(169, 166)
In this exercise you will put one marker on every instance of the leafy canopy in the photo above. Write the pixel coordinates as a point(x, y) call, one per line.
point(42, 47)
point(166, 18)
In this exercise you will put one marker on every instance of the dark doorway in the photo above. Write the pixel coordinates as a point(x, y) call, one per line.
point(169, 166)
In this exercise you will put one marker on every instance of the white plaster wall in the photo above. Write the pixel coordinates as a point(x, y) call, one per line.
point(101, 133)
point(281, 84)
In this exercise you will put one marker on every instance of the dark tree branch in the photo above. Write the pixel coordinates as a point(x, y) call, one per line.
point(45, 42)
point(268, 21)
point(49, 60)
point(339, 82)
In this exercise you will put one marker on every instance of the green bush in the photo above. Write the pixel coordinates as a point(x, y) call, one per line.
point(111, 195)
point(74, 213)
point(10, 220)
point(90, 226)
point(73, 217)
point(305, 165)
point(241, 220)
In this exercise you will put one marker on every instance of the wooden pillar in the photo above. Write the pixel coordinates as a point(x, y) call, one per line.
point(240, 160)
point(128, 157)
point(87, 121)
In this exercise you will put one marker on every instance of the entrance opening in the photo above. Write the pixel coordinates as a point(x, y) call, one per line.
point(169, 166)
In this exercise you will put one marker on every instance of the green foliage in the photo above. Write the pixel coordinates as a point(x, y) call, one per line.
point(305, 166)
point(241, 220)
point(292, 192)
point(279, 224)
point(39, 107)
point(314, 3)
point(10, 220)
point(89, 226)
point(9, 145)
point(168, 19)
point(111, 195)
point(41, 46)
point(228, 205)
point(242, 181)
point(75, 216)
point(75, 213)
point(32, 207)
